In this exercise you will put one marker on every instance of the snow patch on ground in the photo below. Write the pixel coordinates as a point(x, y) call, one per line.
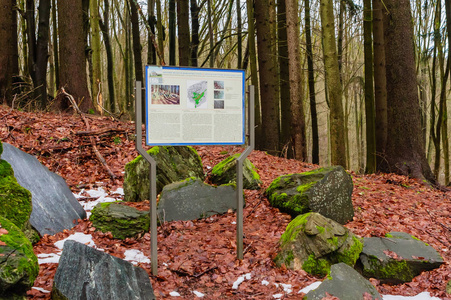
point(240, 280)
point(78, 237)
point(40, 289)
point(174, 294)
point(198, 294)
point(135, 257)
point(420, 296)
point(277, 296)
point(49, 258)
point(311, 287)
point(101, 196)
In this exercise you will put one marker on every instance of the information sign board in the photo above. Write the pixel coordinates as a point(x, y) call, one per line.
point(192, 106)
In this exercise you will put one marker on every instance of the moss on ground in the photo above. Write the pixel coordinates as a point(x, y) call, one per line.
point(318, 267)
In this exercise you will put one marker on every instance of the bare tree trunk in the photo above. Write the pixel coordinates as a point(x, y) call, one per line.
point(139, 75)
point(172, 33)
point(96, 49)
point(239, 35)
point(337, 134)
point(194, 32)
point(296, 90)
point(151, 52)
point(183, 31)
point(210, 33)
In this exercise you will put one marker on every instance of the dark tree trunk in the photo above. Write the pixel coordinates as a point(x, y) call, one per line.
point(239, 36)
point(311, 84)
point(72, 53)
point(42, 52)
point(151, 52)
point(194, 32)
point(183, 30)
point(404, 153)
point(104, 26)
point(9, 52)
point(268, 80)
point(172, 33)
point(134, 18)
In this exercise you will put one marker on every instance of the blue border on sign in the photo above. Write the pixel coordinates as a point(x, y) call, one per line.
point(243, 141)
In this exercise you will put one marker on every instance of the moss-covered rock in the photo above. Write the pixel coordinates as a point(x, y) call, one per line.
point(15, 201)
point(121, 220)
point(225, 172)
point(397, 258)
point(173, 164)
point(313, 243)
point(327, 191)
point(18, 264)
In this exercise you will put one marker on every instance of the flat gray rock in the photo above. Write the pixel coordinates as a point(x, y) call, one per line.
point(88, 274)
point(54, 206)
point(344, 283)
point(398, 257)
point(192, 199)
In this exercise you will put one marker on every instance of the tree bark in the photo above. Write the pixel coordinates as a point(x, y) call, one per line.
point(151, 52)
point(296, 90)
point(172, 30)
point(336, 117)
point(139, 75)
point(404, 152)
point(95, 47)
point(9, 53)
point(268, 80)
point(183, 31)
point(72, 53)
point(369, 91)
point(194, 32)
point(380, 83)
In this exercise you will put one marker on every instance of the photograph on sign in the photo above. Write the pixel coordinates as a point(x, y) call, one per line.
point(192, 106)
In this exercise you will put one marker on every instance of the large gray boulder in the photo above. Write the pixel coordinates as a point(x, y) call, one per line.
point(398, 257)
point(54, 206)
point(18, 264)
point(313, 243)
point(173, 164)
point(344, 283)
point(225, 172)
point(121, 220)
point(326, 191)
point(86, 273)
point(192, 199)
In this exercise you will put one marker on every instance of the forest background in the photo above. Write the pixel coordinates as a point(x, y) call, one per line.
point(363, 84)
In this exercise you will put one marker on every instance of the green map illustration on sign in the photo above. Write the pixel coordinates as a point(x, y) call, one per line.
point(197, 93)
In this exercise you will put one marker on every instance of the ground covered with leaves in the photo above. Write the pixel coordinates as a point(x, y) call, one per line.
point(200, 256)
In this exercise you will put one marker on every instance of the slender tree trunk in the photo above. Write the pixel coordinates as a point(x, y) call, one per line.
point(380, 83)
point(183, 31)
point(285, 81)
point(296, 90)
point(311, 84)
point(268, 79)
point(42, 52)
point(239, 35)
point(104, 26)
point(337, 134)
point(55, 45)
point(96, 49)
point(160, 29)
point(172, 33)
point(404, 152)
point(369, 91)
point(151, 52)
point(340, 37)
point(254, 72)
point(139, 76)
point(9, 65)
point(72, 53)
point(194, 32)
point(210, 34)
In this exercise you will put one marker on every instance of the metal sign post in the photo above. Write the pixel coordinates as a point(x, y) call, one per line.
point(239, 174)
point(153, 179)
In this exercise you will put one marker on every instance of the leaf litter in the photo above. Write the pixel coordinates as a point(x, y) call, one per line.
point(199, 257)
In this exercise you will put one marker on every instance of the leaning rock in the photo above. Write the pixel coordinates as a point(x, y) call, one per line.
point(173, 164)
point(192, 199)
point(344, 283)
point(18, 264)
point(54, 206)
point(225, 172)
point(398, 257)
point(325, 190)
point(313, 243)
point(121, 220)
point(86, 273)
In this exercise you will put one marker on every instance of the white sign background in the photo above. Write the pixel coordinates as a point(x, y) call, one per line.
point(191, 106)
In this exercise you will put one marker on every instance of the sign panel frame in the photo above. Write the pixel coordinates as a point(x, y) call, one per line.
point(194, 106)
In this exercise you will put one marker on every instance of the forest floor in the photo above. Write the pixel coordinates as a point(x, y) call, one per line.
point(200, 256)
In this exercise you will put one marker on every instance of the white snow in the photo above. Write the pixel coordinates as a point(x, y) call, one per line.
point(135, 256)
point(277, 296)
point(40, 289)
point(198, 294)
point(174, 294)
point(78, 237)
point(49, 258)
point(119, 191)
point(101, 196)
point(240, 280)
point(420, 296)
point(265, 282)
point(310, 287)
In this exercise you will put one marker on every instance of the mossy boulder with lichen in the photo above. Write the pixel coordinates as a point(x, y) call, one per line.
point(397, 258)
point(121, 220)
point(313, 243)
point(173, 164)
point(326, 191)
point(18, 264)
point(225, 172)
